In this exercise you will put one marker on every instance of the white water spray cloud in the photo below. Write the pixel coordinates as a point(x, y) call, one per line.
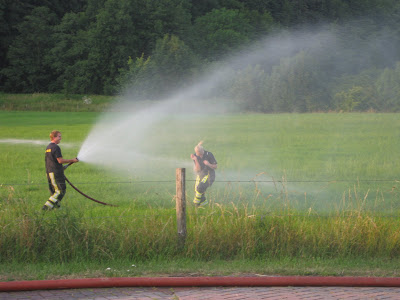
point(116, 140)
point(31, 142)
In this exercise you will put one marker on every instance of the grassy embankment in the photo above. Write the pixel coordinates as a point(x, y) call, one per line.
point(295, 194)
point(54, 102)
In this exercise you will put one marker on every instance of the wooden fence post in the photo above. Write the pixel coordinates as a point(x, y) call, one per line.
point(181, 206)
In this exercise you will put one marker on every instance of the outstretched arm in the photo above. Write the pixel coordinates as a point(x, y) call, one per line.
point(67, 161)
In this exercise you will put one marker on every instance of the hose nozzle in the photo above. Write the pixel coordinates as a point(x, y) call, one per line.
point(66, 166)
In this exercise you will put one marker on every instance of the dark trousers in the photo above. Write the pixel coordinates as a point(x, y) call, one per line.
point(57, 188)
point(200, 188)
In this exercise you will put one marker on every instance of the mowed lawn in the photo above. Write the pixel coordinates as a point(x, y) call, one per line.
point(318, 162)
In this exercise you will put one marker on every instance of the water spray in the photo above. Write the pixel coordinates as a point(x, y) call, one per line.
point(80, 192)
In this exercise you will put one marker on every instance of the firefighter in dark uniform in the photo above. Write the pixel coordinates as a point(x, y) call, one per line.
point(205, 165)
point(55, 171)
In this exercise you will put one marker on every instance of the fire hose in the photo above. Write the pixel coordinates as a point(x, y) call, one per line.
point(228, 281)
point(83, 194)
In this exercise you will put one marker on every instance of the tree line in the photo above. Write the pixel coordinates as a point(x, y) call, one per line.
point(157, 46)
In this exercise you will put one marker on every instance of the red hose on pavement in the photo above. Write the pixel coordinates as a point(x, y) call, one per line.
point(198, 282)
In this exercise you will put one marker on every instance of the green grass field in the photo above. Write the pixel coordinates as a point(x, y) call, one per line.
point(317, 160)
point(289, 187)
point(54, 102)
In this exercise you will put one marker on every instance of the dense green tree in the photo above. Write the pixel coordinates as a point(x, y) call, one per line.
point(170, 67)
point(120, 29)
point(135, 79)
point(290, 13)
point(349, 100)
point(365, 97)
point(174, 63)
point(156, 18)
point(295, 85)
point(5, 33)
point(111, 40)
point(12, 14)
point(201, 8)
point(29, 69)
point(96, 46)
point(363, 44)
point(88, 60)
point(93, 7)
point(246, 87)
point(388, 89)
point(70, 50)
point(222, 31)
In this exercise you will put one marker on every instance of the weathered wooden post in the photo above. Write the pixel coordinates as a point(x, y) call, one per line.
point(181, 206)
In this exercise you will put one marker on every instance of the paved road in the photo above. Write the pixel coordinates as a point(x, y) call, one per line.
point(217, 293)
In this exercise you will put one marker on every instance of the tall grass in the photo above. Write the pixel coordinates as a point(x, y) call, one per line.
point(290, 186)
point(222, 231)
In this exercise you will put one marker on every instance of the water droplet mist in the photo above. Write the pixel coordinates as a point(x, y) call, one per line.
point(123, 139)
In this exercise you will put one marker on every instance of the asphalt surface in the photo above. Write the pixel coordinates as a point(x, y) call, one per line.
point(197, 293)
